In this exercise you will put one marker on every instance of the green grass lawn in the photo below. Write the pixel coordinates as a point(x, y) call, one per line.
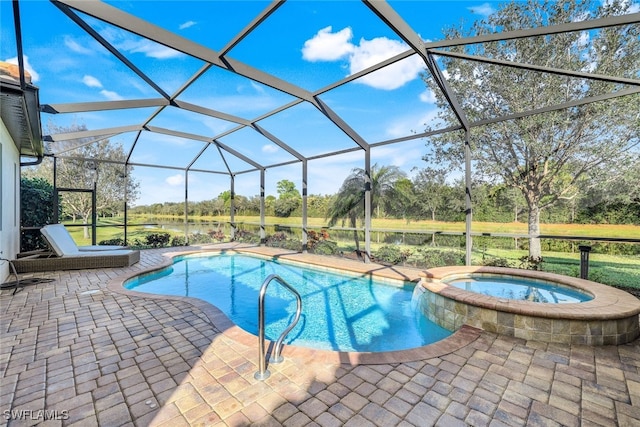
point(616, 270)
point(587, 230)
point(109, 229)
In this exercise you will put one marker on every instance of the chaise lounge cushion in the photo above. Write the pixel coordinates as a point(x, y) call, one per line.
point(62, 243)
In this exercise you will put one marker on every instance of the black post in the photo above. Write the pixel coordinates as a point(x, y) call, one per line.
point(56, 196)
point(94, 214)
point(584, 261)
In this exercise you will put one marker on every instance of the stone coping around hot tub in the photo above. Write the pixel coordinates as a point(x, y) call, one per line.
point(459, 339)
point(607, 303)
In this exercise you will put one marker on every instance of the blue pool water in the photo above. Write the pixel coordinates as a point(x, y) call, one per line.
point(521, 289)
point(342, 312)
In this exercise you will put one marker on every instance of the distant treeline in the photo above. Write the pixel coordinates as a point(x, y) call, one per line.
point(490, 204)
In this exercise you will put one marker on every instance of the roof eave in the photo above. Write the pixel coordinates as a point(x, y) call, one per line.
point(20, 111)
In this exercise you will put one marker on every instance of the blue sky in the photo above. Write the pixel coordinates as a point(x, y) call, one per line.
point(310, 44)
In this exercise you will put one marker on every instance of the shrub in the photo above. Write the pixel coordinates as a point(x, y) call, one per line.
point(216, 235)
point(178, 241)
point(197, 238)
point(392, 254)
point(276, 240)
point(495, 262)
point(158, 240)
point(594, 275)
point(36, 210)
point(531, 263)
point(325, 247)
point(244, 236)
point(316, 237)
point(292, 244)
point(282, 240)
point(117, 241)
point(433, 257)
point(137, 243)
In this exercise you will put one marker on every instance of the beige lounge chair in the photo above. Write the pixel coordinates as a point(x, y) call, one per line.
point(69, 256)
point(62, 243)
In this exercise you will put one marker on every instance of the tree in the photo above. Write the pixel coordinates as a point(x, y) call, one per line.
point(547, 157)
point(348, 204)
point(432, 191)
point(618, 185)
point(318, 205)
point(87, 162)
point(289, 199)
point(287, 189)
point(401, 200)
point(615, 198)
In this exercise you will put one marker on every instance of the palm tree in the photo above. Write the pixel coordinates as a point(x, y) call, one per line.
point(349, 202)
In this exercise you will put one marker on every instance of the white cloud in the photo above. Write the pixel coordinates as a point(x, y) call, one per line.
point(153, 49)
point(215, 125)
point(371, 52)
point(111, 95)
point(257, 87)
point(187, 24)
point(91, 81)
point(76, 47)
point(27, 66)
point(269, 148)
point(428, 96)
point(173, 180)
point(408, 124)
point(485, 9)
point(327, 174)
point(328, 46)
point(133, 44)
point(400, 155)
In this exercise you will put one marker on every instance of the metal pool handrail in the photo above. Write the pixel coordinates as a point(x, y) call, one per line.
point(263, 373)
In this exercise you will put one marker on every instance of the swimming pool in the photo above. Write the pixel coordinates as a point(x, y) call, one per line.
point(341, 311)
point(523, 289)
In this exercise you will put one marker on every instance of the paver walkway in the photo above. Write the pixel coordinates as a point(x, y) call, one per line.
point(75, 352)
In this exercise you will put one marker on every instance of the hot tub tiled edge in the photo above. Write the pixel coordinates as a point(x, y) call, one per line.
point(611, 318)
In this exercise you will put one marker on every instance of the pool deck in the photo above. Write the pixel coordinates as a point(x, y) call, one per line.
point(77, 348)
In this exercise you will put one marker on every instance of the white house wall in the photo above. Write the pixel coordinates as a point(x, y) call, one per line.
point(9, 200)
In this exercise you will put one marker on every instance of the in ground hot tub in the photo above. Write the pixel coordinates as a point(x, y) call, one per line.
point(603, 315)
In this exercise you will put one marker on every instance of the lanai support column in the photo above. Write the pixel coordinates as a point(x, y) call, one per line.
point(232, 208)
point(467, 196)
point(56, 207)
point(304, 206)
point(186, 206)
point(263, 233)
point(367, 205)
point(126, 204)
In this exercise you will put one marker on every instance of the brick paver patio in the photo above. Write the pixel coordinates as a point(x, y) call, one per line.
point(75, 352)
